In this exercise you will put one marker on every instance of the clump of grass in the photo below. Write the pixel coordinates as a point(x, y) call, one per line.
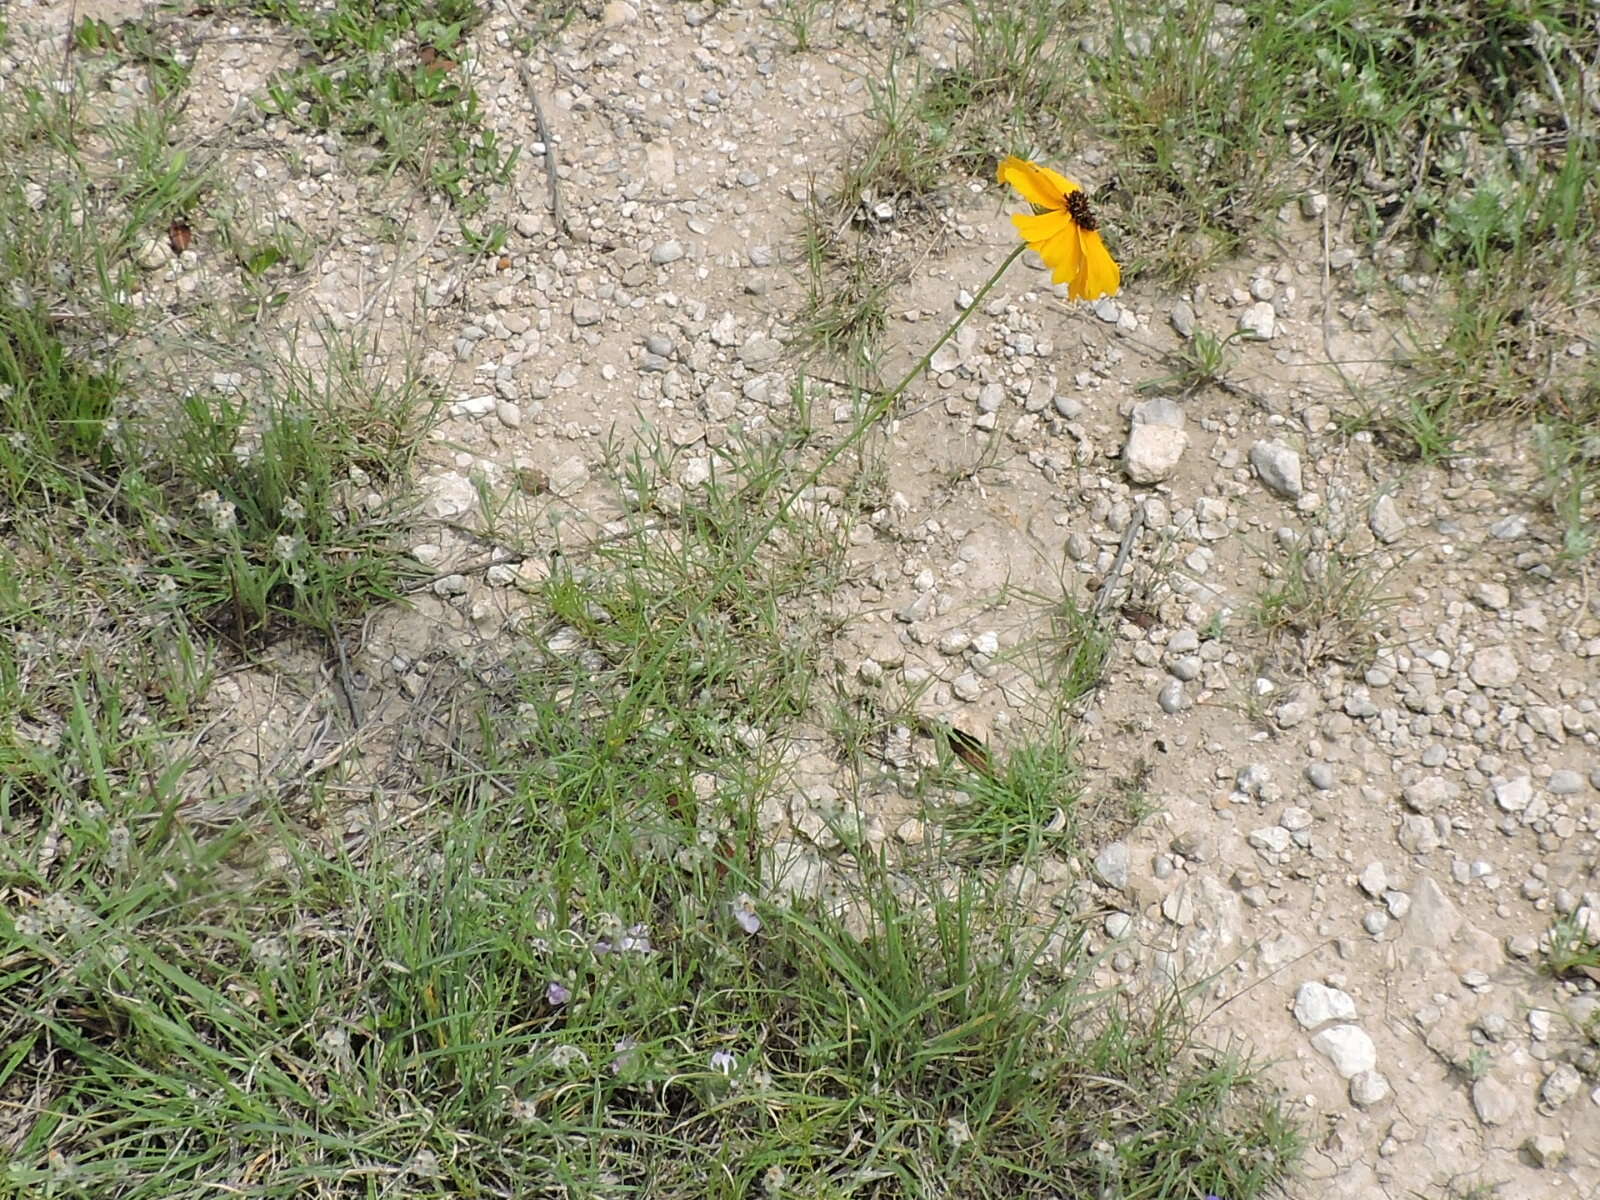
point(1005, 86)
point(1568, 949)
point(1195, 110)
point(1321, 604)
point(1200, 362)
point(388, 74)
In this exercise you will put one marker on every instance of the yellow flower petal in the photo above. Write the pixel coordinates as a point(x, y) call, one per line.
point(1063, 254)
point(1041, 227)
point(1100, 275)
point(1053, 237)
point(1039, 186)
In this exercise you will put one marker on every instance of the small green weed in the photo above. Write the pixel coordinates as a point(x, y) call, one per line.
point(1568, 949)
point(386, 74)
point(1321, 604)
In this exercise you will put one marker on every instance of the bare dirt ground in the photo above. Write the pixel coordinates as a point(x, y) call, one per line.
point(1361, 860)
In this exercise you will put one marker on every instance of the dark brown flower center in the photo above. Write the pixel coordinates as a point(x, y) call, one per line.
point(1080, 212)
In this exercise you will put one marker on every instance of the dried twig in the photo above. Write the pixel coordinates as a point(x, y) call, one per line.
point(558, 211)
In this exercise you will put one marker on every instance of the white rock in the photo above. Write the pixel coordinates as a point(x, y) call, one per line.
point(1111, 865)
point(1278, 467)
point(1153, 452)
point(1513, 795)
point(1348, 1048)
point(1374, 879)
point(153, 253)
point(1385, 520)
point(1493, 1101)
point(1316, 1004)
point(1272, 838)
point(1259, 320)
point(1494, 667)
point(1369, 1088)
point(1433, 919)
point(568, 477)
point(666, 252)
point(1426, 795)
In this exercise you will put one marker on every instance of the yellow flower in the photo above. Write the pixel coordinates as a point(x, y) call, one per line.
point(1062, 230)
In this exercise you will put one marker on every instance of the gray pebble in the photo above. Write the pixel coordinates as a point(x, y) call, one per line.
point(1182, 318)
point(1278, 468)
point(1111, 865)
point(1321, 776)
point(1171, 697)
point(1186, 668)
point(1368, 1088)
point(1564, 783)
point(666, 252)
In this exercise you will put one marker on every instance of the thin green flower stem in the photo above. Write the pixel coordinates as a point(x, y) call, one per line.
point(878, 410)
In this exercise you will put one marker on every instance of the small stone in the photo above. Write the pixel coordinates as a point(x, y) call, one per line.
point(1111, 865)
point(1494, 667)
point(1560, 1086)
point(1182, 318)
point(1417, 835)
point(1254, 780)
point(1316, 1004)
point(1492, 595)
point(1153, 452)
point(1159, 410)
point(153, 254)
point(1513, 795)
point(1278, 468)
point(508, 414)
point(1368, 1089)
point(666, 252)
point(1260, 320)
point(1321, 776)
point(759, 350)
point(1374, 879)
point(1433, 919)
point(1178, 906)
point(1118, 925)
point(1385, 521)
point(967, 687)
point(1564, 783)
point(617, 13)
point(1546, 1149)
point(1273, 839)
point(1376, 922)
point(1522, 946)
point(1171, 698)
point(1313, 205)
point(1493, 1101)
point(1295, 818)
point(568, 477)
point(1428, 794)
point(585, 312)
point(1348, 1048)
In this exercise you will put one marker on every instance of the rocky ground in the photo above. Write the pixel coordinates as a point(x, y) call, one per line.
point(1366, 821)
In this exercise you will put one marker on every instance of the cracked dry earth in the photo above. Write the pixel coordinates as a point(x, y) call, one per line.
point(1360, 860)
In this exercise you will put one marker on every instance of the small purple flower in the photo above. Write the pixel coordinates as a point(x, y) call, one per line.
point(637, 939)
point(556, 994)
point(624, 1055)
point(744, 913)
point(723, 1061)
point(602, 947)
